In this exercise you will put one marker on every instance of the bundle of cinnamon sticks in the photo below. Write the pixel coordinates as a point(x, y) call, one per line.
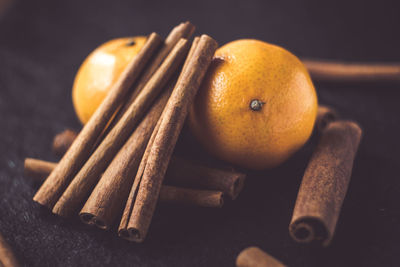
point(117, 163)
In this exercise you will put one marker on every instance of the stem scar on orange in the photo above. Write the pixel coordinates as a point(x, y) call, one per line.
point(99, 72)
point(256, 107)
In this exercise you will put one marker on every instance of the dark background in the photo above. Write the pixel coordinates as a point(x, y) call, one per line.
point(42, 43)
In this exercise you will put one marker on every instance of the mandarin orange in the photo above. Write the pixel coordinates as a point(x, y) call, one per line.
point(256, 107)
point(99, 71)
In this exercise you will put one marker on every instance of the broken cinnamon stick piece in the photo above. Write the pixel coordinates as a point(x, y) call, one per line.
point(171, 123)
point(81, 185)
point(7, 258)
point(255, 257)
point(72, 161)
point(325, 116)
point(340, 71)
point(325, 184)
point(63, 141)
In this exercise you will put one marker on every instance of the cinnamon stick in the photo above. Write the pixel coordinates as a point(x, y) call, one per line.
point(7, 258)
point(52, 188)
point(325, 116)
point(166, 135)
point(63, 141)
point(108, 197)
point(84, 181)
point(255, 257)
point(191, 197)
point(185, 173)
point(123, 231)
point(39, 169)
point(340, 71)
point(182, 172)
point(184, 30)
point(325, 184)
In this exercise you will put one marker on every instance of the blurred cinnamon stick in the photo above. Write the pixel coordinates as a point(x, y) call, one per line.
point(63, 141)
point(7, 258)
point(72, 161)
point(325, 184)
point(322, 70)
point(255, 257)
point(166, 134)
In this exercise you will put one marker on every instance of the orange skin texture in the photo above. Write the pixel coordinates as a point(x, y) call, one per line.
point(221, 117)
point(99, 72)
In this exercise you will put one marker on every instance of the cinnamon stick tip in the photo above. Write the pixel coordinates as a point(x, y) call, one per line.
point(130, 234)
point(61, 211)
point(237, 185)
point(27, 164)
point(100, 224)
point(310, 230)
point(254, 256)
point(221, 200)
point(87, 218)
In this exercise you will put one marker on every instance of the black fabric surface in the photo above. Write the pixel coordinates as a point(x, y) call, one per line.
point(42, 43)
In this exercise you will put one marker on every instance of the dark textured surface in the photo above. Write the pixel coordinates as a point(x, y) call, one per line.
point(42, 43)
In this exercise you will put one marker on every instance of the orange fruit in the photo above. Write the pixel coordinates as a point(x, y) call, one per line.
point(256, 107)
point(99, 71)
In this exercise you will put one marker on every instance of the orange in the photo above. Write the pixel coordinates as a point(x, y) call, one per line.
point(99, 71)
point(256, 106)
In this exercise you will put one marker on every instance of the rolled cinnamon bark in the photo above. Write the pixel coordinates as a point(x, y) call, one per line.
point(108, 198)
point(166, 135)
point(84, 181)
point(325, 184)
point(72, 161)
point(322, 70)
point(191, 197)
point(182, 172)
point(122, 230)
point(255, 257)
point(7, 258)
point(39, 170)
point(184, 30)
point(325, 116)
point(63, 141)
